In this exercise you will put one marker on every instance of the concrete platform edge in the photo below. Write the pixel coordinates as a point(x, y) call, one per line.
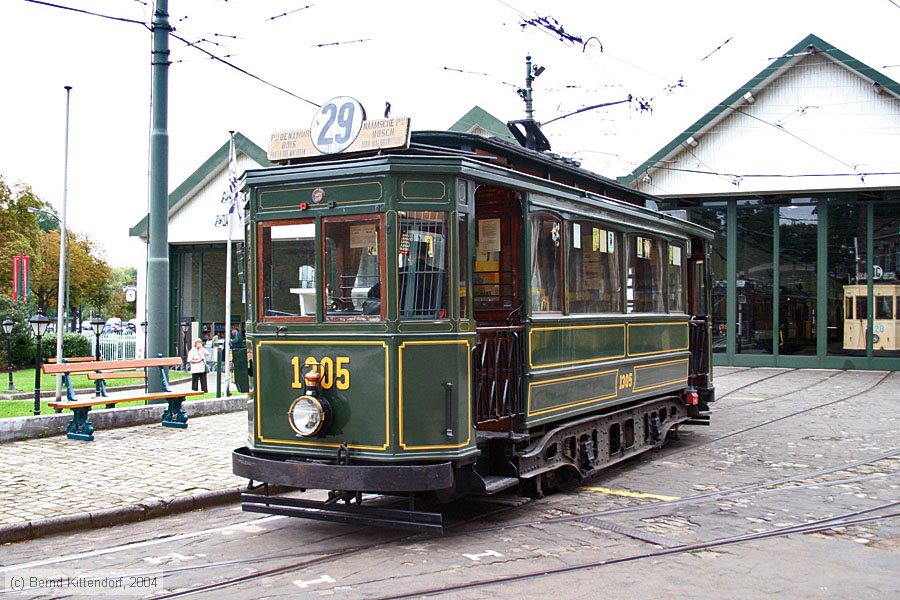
point(109, 517)
point(23, 428)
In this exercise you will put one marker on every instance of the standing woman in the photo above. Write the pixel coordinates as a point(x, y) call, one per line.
point(197, 359)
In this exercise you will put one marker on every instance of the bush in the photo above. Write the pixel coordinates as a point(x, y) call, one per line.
point(22, 340)
point(74, 344)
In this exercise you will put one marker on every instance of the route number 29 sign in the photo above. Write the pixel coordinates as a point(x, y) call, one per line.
point(337, 124)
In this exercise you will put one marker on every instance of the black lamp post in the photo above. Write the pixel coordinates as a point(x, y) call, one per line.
point(97, 324)
point(39, 324)
point(7, 329)
point(185, 330)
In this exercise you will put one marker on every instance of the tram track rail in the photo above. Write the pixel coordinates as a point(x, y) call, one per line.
point(328, 558)
point(694, 447)
point(844, 520)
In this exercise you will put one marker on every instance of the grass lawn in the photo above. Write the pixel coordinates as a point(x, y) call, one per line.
point(23, 379)
point(25, 408)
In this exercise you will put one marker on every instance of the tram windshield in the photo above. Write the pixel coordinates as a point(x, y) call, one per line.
point(288, 269)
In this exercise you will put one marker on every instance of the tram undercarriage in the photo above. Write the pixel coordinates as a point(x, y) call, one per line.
point(554, 459)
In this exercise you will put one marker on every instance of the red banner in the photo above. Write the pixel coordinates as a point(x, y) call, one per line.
point(20, 277)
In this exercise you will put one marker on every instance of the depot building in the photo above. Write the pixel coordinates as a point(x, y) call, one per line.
point(798, 172)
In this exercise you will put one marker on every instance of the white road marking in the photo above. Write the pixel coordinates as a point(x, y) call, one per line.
point(171, 557)
point(306, 584)
point(483, 555)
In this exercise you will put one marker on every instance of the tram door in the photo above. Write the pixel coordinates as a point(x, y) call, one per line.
point(498, 301)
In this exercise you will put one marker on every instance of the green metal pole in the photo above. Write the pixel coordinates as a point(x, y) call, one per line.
point(870, 277)
point(158, 251)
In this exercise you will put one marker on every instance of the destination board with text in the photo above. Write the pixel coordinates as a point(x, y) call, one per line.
point(375, 134)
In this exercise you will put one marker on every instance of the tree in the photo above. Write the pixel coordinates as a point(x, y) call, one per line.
point(89, 275)
point(19, 230)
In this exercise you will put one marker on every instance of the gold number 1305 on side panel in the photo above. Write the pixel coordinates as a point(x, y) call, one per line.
point(334, 372)
point(626, 381)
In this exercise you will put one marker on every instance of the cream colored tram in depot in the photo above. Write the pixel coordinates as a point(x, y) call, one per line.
point(886, 324)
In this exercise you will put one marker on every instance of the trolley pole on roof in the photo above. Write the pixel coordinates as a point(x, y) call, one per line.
point(158, 251)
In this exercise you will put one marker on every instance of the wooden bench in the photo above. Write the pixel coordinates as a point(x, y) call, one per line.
point(73, 359)
point(81, 428)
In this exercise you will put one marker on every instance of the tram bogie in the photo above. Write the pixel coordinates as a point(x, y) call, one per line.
point(462, 316)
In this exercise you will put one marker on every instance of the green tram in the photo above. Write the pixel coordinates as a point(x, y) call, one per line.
point(457, 317)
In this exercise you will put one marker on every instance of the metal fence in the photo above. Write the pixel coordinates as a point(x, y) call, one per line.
point(114, 346)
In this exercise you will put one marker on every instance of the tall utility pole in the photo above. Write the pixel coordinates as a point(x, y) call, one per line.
point(61, 299)
point(158, 251)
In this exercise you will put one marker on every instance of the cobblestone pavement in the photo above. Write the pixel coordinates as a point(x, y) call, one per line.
point(140, 468)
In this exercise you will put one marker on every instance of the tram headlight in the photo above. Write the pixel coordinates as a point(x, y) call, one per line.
point(308, 415)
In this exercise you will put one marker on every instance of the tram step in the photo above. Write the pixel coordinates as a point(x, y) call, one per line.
point(343, 513)
point(494, 484)
point(696, 422)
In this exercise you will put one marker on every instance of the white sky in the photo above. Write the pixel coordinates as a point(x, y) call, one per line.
point(648, 45)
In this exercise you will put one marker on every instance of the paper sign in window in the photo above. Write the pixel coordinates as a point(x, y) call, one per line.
point(675, 255)
point(489, 235)
point(363, 236)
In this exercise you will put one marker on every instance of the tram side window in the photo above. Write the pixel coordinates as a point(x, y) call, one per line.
point(897, 307)
point(288, 252)
point(675, 277)
point(644, 287)
point(352, 274)
point(849, 309)
point(862, 307)
point(422, 265)
point(594, 277)
point(546, 264)
point(883, 308)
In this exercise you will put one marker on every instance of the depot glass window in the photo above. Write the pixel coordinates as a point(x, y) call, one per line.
point(352, 273)
point(287, 270)
point(422, 265)
point(594, 279)
point(644, 285)
point(546, 263)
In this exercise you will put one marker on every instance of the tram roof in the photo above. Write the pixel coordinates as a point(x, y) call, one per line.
point(494, 152)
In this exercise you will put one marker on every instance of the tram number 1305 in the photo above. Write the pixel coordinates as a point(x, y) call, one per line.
point(334, 372)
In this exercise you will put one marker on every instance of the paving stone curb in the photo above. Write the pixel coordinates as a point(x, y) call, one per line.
point(108, 517)
point(23, 428)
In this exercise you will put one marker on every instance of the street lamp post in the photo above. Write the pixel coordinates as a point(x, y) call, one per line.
point(61, 317)
point(97, 324)
point(7, 329)
point(39, 324)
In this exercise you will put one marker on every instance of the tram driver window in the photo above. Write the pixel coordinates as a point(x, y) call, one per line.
point(644, 286)
point(422, 265)
point(594, 275)
point(288, 250)
point(352, 274)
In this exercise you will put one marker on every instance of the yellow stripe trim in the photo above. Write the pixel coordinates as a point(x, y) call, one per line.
point(630, 325)
point(400, 394)
point(628, 494)
point(405, 197)
point(680, 379)
point(551, 409)
point(387, 398)
point(324, 203)
point(573, 362)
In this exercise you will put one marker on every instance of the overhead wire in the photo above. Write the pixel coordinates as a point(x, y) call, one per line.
point(244, 71)
point(88, 12)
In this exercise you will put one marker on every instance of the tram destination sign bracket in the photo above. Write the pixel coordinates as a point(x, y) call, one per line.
point(375, 134)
